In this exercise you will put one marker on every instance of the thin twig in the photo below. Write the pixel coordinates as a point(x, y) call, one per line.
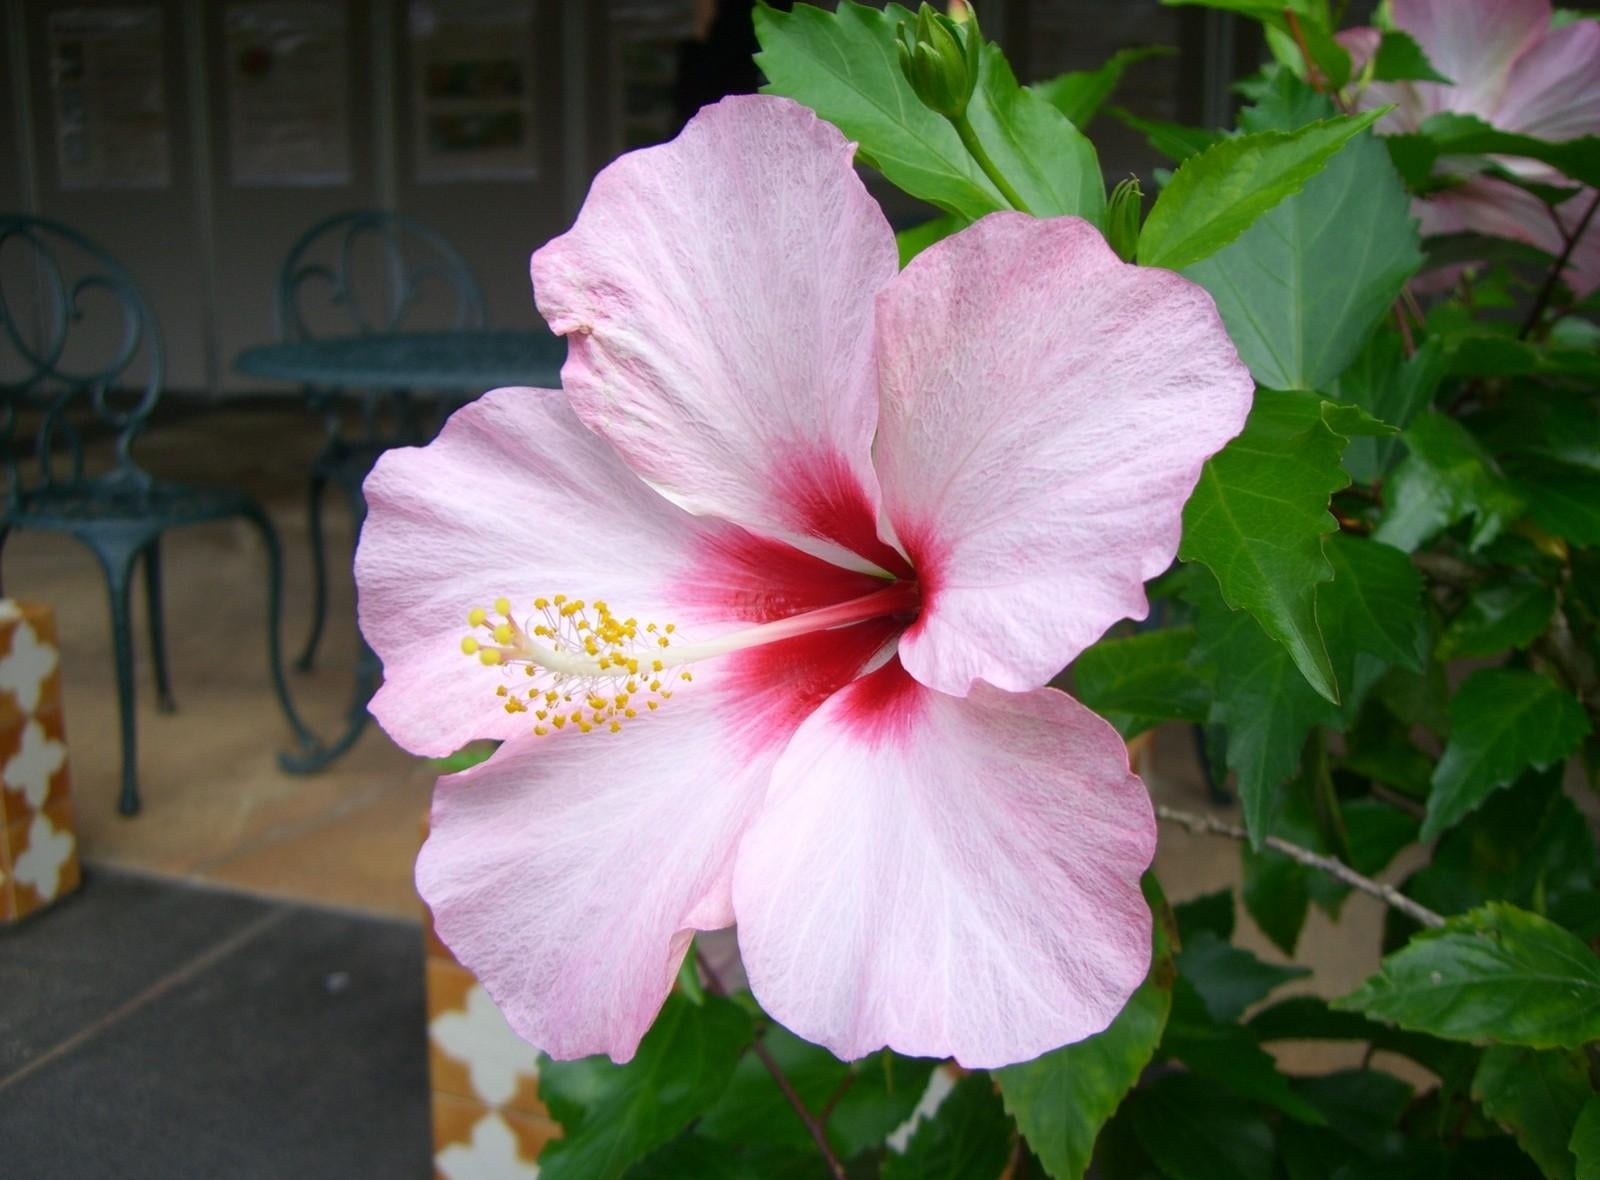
point(1336, 869)
point(1543, 300)
point(814, 1125)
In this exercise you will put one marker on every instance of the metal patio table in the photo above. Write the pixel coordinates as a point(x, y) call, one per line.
point(383, 376)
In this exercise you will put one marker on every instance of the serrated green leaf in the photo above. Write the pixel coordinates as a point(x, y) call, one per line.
point(1496, 974)
point(1537, 1096)
point(1393, 388)
point(1301, 290)
point(1172, 140)
point(1497, 618)
point(1216, 196)
point(1079, 95)
point(1262, 701)
point(844, 66)
point(1257, 519)
point(1585, 1141)
point(1143, 680)
point(1445, 477)
point(968, 1138)
point(884, 1095)
point(1563, 499)
point(1061, 1100)
point(613, 1115)
point(1456, 134)
point(1230, 978)
point(1502, 721)
point(1194, 1131)
point(1373, 605)
point(1400, 59)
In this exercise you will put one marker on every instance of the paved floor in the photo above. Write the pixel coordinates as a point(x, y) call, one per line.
point(151, 1028)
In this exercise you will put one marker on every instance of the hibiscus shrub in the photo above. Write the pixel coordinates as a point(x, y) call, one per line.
point(1383, 621)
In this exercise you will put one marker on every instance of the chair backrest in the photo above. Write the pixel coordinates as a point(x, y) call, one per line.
point(372, 271)
point(79, 347)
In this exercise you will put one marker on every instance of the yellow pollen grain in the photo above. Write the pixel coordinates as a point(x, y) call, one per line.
point(490, 656)
point(540, 603)
point(476, 616)
point(502, 605)
point(469, 645)
point(502, 633)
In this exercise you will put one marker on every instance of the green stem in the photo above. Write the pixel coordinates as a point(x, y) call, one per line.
point(974, 147)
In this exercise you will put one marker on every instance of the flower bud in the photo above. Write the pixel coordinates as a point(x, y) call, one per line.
point(1122, 218)
point(940, 58)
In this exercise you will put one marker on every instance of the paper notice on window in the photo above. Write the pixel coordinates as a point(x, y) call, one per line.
point(109, 89)
point(288, 93)
point(472, 90)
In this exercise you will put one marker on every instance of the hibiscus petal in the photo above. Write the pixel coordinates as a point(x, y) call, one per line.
point(947, 876)
point(1554, 88)
point(1487, 205)
point(716, 295)
point(569, 872)
point(1045, 413)
point(517, 497)
point(1473, 43)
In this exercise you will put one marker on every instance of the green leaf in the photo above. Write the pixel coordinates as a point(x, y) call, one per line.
point(844, 66)
point(691, 1154)
point(1257, 519)
point(1301, 290)
point(1229, 978)
point(1276, 895)
point(1373, 605)
point(1537, 1096)
point(1193, 1131)
point(1496, 618)
point(613, 1115)
point(1460, 135)
point(1215, 196)
point(1172, 140)
point(1400, 59)
point(1585, 1141)
point(1079, 95)
point(1502, 721)
point(1062, 1099)
point(1497, 974)
point(1392, 387)
point(1228, 1054)
point(918, 238)
point(1142, 680)
point(1446, 477)
point(968, 1138)
point(1309, 1018)
point(1564, 499)
point(1264, 10)
point(884, 1095)
point(753, 1109)
point(1209, 913)
point(1262, 701)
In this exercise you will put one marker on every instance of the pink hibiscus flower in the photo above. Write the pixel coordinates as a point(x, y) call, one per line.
point(1511, 68)
point(827, 530)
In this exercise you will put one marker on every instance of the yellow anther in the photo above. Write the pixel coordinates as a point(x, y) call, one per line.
point(476, 616)
point(650, 628)
point(655, 686)
point(539, 731)
point(656, 665)
point(633, 686)
point(502, 633)
point(629, 713)
point(527, 670)
point(543, 632)
point(558, 721)
point(664, 641)
point(652, 705)
point(620, 700)
point(605, 661)
point(469, 645)
point(584, 727)
point(500, 690)
point(616, 727)
point(559, 599)
point(670, 628)
point(540, 603)
point(541, 714)
point(490, 656)
point(551, 697)
point(502, 605)
point(686, 675)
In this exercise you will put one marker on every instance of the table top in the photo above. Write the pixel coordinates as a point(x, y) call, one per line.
point(446, 362)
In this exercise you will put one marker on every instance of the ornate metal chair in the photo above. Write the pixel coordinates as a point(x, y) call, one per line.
point(367, 272)
point(80, 350)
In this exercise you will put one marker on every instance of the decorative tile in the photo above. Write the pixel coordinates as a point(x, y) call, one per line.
point(473, 1142)
point(38, 847)
point(472, 1052)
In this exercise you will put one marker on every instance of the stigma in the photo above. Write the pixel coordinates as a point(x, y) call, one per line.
point(579, 665)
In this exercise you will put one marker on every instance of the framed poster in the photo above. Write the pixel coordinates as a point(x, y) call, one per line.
point(288, 93)
point(472, 90)
point(108, 83)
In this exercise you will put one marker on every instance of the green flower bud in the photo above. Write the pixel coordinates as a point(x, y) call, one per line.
point(1122, 218)
point(940, 59)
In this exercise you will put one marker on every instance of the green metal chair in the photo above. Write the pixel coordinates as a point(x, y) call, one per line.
point(80, 351)
point(367, 272)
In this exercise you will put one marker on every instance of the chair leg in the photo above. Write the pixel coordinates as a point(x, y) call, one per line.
point(118, 568)
point(158, 637)
point(319, 572)
point(269, 539)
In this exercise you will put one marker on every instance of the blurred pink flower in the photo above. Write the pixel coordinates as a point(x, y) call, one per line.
point(881, 510)
point(1509, 66)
